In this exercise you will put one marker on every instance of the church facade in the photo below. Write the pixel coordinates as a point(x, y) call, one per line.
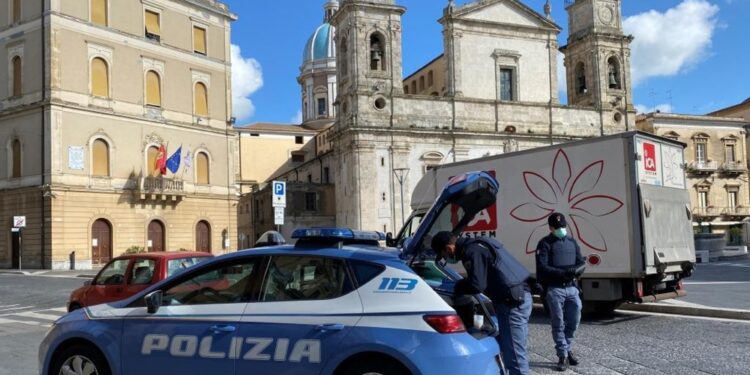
point(498, 93)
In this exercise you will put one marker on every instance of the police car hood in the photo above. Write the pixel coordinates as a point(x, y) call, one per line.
point(462, 198)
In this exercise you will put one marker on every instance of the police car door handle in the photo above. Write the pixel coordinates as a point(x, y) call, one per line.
point(330, 327)
point(223, 329)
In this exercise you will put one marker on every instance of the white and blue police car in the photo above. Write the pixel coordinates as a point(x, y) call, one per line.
point(334, 303)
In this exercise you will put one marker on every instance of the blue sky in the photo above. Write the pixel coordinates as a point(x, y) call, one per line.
point(689, 56)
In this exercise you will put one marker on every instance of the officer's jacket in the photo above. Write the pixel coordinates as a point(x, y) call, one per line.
point(491, 270)
point(554, 257)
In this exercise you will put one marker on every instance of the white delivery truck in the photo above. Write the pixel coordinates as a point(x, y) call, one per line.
point(625, 199)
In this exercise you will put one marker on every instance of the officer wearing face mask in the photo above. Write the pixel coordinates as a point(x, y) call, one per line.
point(492, 270)
point(559, 264)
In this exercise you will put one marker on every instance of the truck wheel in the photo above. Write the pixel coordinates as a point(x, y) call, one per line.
point(80, 360)
point(382, 367)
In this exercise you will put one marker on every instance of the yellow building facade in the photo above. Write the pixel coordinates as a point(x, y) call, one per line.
point(96, 90)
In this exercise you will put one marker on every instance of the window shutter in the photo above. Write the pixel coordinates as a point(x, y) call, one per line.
point(202, 168)
point(201, 100)
point(199, 40)
point(17, 89)
point(152, 23)
point(99, 12)
point(99, 78)
point(100, 158)
point(153, 89)
point(16, 159)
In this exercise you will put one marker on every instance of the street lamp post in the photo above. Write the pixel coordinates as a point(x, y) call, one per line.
point(401, 174)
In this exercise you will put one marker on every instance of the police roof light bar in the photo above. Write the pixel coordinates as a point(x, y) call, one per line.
point(336, 233)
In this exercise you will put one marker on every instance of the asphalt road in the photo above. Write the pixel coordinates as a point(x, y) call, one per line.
point(722, 284)
point(628, 343)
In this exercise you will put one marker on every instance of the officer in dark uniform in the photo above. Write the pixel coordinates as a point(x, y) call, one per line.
point(493, 271)
point(559, 263)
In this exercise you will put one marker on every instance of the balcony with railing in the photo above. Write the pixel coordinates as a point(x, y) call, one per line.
point(733, 167)
point(703, 166)
point(707, 212)
point(738, 211)
point(159, 188)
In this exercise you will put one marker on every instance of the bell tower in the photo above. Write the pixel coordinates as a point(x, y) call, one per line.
point(597, 62)
point(369, 61)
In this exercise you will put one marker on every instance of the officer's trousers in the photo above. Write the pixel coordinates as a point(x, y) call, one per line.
point(564, 305)
point(514, 335)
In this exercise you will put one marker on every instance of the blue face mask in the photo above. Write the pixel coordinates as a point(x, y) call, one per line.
point(561, 233)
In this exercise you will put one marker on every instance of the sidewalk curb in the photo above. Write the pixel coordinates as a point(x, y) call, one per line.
point(688, 311)
point(46, 274)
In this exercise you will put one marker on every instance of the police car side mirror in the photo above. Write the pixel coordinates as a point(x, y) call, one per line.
point(153, 301)
point(389, 240)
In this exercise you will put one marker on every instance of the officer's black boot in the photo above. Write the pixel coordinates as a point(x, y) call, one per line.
point(572, 360)
point(562, 364)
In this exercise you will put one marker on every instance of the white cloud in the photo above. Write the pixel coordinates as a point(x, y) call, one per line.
point(663, 108)
point(247, 78)
point(297, 119)
point(669, 43)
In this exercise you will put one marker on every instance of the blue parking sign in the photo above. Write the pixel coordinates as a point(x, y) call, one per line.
point(279, 193)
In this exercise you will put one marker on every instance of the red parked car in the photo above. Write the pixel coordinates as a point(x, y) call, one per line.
point(127, 275)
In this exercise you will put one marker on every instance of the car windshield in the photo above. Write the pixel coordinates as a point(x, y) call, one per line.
point(175, 266)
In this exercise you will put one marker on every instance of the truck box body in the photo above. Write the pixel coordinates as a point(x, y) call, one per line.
point(624, 197)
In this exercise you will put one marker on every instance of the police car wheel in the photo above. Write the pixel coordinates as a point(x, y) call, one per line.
point(80, 360)
point(375, 368)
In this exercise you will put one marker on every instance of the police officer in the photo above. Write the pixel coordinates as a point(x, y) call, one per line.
point(493, 271)
point(559, 263)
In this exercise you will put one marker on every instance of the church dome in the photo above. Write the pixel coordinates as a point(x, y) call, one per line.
point(320, 46)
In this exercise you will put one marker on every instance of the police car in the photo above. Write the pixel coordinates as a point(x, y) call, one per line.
point(334, 303)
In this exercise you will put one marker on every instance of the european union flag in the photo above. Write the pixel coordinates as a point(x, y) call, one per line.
point(173, 163)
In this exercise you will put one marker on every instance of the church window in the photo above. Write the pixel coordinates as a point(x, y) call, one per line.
point(421, 83)
point(16, 11)
point(377, 52)
point(343, 58)
point(414, 87)
point(580, 73)
point(430, 79)
point(507, 83)
point(100, 158)
point(406, 89)
point(298, 157)
point(17, 86)
point(16, 153)
point(322, 107)
point(299, 140)
point(99, 12)
point(613, 73)
point(99, 78)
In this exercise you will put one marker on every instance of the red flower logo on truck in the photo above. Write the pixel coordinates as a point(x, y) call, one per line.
point(574, 197)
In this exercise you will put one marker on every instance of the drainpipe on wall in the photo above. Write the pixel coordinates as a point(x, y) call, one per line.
point(44, 135)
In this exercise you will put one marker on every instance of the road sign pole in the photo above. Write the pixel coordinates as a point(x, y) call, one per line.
point(20, 247)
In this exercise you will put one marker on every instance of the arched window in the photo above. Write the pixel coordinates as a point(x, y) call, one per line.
point(17, 88)
point(100, 158)
point(414, 87)
point(201, 100)
point(421, 83)
point(581, 78)
point(99, 78)
point(153, 89)
point(406, 89)
point(344, 58)
point(202, 168)
point(151, 154)
point(99, 12)
point(430, 79)
point(377, 52)
point(16, 11)
point(16, 150)
point(613, 73)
